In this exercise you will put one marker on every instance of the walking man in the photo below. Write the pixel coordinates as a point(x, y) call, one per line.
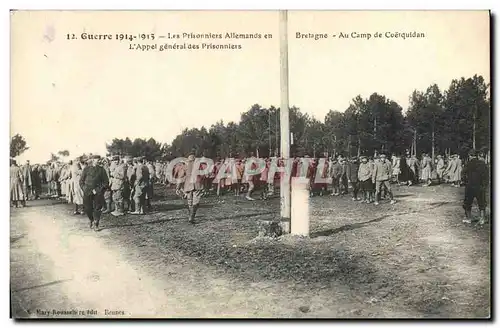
point(94, 181)
point(381, 176)
point(476, 178)
point(193, 188)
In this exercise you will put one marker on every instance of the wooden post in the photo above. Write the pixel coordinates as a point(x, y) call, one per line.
point(284, 119)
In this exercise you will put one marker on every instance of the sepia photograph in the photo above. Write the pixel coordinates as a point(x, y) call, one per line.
point(278, 164)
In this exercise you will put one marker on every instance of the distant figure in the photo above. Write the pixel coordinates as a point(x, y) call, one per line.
point(476, 177)
point(352, 175)
point(365, 179)
point(426, 170)
point(440, 167)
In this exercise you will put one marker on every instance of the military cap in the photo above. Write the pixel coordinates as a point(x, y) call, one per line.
point(363, 156)
point(115, 158)
point(474, 153)
point(95, 157)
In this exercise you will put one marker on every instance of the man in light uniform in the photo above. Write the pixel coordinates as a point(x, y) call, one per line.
point(107, 193)
point(193, 188)
point(381, 175)
point(118, 184)
point(140, 186)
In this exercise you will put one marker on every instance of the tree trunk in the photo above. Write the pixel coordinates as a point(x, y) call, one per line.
point(415, 143)
point(433, 141)
point(474, 131)
point(349, 146)
point(257, 152)
point(359, 146)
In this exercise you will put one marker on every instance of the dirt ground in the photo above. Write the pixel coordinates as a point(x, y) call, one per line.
point(414, 259)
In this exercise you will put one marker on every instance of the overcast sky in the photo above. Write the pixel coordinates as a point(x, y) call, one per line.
point(79, 94)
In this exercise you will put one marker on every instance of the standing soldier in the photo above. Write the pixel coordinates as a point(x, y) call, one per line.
point(476, 178)
point(152, 179)
point(27, 182)
point(457, 177)
point(335, 174)
point(35, 178)
point(94, 181)
point(76, 173)
point(140, 186)
point(16, 185)
point(352, 176)
point(129, 185)
point(192, 188)
point(381, 175)
point(49, 176)
point(365, 179)
point(118, 184)
point(107, 193)
point(344, 180)
point(450, 169)
point(426, 170)
point(440, 168)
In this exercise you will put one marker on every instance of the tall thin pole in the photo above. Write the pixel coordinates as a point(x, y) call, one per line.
point(276, 133)
point(284, 117)
point(269, 131)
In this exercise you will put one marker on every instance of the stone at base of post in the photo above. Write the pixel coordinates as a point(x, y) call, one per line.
point(272, 228)
point(285, 225)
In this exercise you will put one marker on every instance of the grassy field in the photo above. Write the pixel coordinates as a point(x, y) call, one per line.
point(413, 259)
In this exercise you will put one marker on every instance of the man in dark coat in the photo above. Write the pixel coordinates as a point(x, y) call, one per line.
point(352, 176)
point(93, 182)
point(476, 177)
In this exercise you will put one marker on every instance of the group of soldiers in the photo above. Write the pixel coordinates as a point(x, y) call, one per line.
point(120, 185)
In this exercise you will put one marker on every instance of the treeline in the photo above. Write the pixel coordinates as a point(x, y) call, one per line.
point(455, 120)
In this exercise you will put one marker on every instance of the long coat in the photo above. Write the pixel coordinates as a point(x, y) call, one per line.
point(16, 184)
point(426, 168)
point(191, 183)
point(457, 174)
point(76, 173)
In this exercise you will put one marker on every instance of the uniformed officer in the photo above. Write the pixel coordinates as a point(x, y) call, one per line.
point(94, 181)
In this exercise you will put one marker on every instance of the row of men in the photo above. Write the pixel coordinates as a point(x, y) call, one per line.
point(128, 183)
point(405, 169)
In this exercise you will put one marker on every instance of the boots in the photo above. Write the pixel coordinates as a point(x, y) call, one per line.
point(137, 208)
point(468, 217)
point(118, 210)
point(192, 213)
point(482, 218)
point(108, 208)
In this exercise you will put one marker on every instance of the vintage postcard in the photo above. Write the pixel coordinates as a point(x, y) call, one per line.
point(250, 164)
